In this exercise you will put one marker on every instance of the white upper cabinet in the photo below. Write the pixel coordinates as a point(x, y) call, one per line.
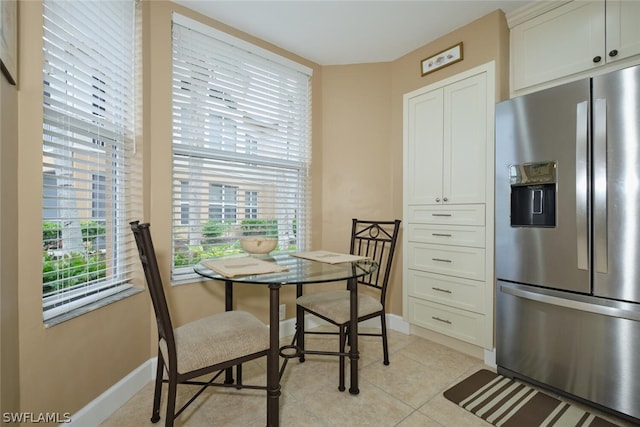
point(446, 147)
point(622, 29)
point(576, 37)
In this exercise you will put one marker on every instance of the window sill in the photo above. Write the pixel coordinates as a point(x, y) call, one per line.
point(92, 306)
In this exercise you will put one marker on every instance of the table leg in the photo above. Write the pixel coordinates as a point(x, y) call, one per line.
point(228, 306)
point(273, 358)
point(299, 334)
point(353, 336)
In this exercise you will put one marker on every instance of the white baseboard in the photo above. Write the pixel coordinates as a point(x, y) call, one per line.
point(490, 358)
point(398, 324)
point(102, 407)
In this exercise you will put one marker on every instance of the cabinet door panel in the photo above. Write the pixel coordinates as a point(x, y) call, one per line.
point(558, 43)
point(423, 157)
point(465, 141)
point(623, 31)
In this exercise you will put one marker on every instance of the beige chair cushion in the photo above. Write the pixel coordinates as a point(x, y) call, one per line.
point(218, 338)
point(336, 305)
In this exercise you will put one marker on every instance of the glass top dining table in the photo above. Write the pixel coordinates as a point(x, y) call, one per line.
point(300, 271)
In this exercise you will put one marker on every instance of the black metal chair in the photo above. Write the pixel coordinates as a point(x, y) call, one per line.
point(208, 345)
point(374, 239)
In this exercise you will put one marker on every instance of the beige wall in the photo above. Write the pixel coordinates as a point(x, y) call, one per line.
point(9, 378)
point(357, 172)
point(357, 181)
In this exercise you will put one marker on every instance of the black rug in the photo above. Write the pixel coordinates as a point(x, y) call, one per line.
point(506, 402)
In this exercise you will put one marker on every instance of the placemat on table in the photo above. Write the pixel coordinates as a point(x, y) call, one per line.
point(329, 257)
point(244, 266)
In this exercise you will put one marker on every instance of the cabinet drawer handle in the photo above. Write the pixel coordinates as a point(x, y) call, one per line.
point(446, 291)
point(597, 59)
point(448, 322)
point(441, 234)
point(613, 53)
point(441, 260)
point(440, 214)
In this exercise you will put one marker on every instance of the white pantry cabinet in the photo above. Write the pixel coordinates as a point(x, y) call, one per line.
point(571, 39)
point(446, 148)
point(448, 244)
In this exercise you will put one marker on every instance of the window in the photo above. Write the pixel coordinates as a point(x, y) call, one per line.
point(98, 197)
point(251, 204)
point(241, 137)
point(223, 203)
point(184, 204)
point(88, 150)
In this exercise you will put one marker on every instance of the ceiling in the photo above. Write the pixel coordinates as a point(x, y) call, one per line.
point(349, 32)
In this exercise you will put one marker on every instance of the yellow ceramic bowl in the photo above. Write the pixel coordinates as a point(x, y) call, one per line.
point(258, 245)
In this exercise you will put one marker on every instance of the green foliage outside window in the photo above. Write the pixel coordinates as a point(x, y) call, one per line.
point(65, 269)
point(212, 231)
point(59, 272)
point(216, 243)
point(259, 227)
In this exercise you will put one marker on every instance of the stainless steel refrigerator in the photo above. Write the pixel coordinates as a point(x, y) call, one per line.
point(568, 239)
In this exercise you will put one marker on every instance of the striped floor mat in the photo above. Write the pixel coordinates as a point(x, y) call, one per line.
point(505, 402)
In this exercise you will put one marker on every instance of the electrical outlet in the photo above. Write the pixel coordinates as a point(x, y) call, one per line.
point(283, 311)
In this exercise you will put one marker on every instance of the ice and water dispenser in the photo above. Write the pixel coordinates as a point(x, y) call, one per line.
point(533, 194)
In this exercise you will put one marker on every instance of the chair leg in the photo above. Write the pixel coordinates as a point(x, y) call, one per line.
point(343, 340)
point(171, 401)
point(155, 413)
point(385, 345)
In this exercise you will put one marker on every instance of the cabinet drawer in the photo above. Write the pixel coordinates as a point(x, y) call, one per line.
point(451, 291)
point(446, 214)
point(450, 260)
point(463, 325)
point(459, 235)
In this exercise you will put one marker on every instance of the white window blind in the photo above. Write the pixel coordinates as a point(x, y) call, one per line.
point(88, 148)
point(241, 145)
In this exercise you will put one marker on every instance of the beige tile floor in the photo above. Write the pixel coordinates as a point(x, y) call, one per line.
point(406, 393)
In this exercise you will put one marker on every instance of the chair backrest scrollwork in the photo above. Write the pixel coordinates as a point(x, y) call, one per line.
point(377, 240)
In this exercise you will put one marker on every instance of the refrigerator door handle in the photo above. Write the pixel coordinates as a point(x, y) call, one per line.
point(582, 132)
point(604, 310)
point(600, 186)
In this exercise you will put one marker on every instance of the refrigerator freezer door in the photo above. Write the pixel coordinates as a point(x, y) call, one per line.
point(547, 127)
point(576, 344)
point(616, 190)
